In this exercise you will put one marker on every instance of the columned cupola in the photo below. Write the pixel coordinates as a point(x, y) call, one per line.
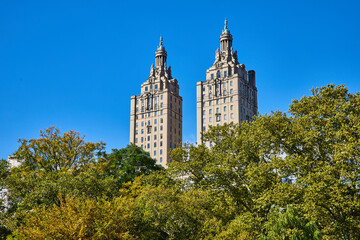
point(226, 41)
point(160, 57)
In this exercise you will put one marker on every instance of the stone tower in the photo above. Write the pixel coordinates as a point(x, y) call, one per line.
point(229, 94)
point(156, 114)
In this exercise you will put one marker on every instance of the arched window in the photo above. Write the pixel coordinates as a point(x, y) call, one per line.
point(218, 74)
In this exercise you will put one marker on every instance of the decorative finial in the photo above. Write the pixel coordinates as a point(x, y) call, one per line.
point(161, 42)
point(226, 26)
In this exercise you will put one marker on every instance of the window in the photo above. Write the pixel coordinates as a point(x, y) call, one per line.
point(160, 143)
point(225, 73)
point(137, 109)
point(148, 138)
point(217, 118)
point(224, 100)
point(148, 146)
point(161, 112)
point(154, 153)
point(209, 103)
point(155, 121)
point(160, 158)
point(136, 132)
point(146, 88)
point(137, 124)
point(161, 120)
point(150, 86)
point(149, 115)
point(203, 89)
point(161, 127)
point(203, 104)
point(225, 116)
point(142, 131)
point(204, 121)
point(225, 109)
point(142, 139)
point(203, 96)
point(230, 83)
point(210, 95)
point(155, 106)
point(231, 115)
point(155, 114)
point(161, 97)
point(155, 137)
point(210, 119)
point(231, 91)
point(204, 112)
point(210, 111)
point(160, 151)
point(209, 87)
point(161, 105)
point(212, 76)
point(224, 92)
point(161, 136)
point(142, 109)
point(217, 93)
point(204, 128)
point(155, 129)
point(156, 86)
point(231, 107)
point(154, 144)
point(224, 84)
point(149, 123)
point(217, 110)
point(231, 99)
point(218, 75)
point(142, 146)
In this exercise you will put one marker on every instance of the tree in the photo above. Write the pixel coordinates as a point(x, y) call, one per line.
point(130, 162)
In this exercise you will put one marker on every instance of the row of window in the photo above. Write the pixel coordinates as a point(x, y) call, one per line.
point(218, 109)
point(143, 115)
point(217, 101)
point(217, 85)
point(218, 118)
point(156, 98)
point(217, 93)
point(151, 86)
point(218, 74)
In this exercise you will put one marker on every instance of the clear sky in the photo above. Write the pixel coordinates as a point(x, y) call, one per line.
point(75, 64)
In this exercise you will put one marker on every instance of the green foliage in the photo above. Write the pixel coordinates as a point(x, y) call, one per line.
point(128, 163)
point(65, 165)
point(289, 224)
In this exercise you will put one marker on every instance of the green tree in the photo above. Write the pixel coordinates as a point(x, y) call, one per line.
point(130, 162)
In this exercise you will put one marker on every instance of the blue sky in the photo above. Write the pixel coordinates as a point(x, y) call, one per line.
point(75, 64)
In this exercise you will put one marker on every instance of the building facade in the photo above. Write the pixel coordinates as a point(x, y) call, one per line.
point(229, 94)
point(156, 114)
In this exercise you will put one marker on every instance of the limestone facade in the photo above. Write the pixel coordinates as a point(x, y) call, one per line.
point(156, 114)
point(229, 93)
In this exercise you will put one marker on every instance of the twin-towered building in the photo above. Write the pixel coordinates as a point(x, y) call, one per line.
point(228, 95)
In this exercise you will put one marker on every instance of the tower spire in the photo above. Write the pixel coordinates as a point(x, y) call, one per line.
point(161, 44)
point(226, 29)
